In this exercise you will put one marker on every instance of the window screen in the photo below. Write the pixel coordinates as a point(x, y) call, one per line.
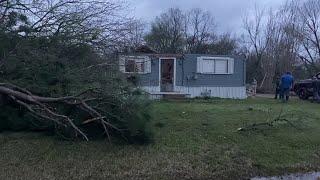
point(221, 67)
point(207, 66)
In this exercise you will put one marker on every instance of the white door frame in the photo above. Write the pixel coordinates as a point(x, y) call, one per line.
point(174, 71)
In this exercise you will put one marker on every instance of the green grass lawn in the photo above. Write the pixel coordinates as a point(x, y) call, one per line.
point(197, 139)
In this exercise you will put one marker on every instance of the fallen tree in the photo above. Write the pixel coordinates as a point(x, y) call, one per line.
point(47, 109)
point(268, 123)
point(40, 108)
point(59, 71)
point(71, 90)
point(256, 126)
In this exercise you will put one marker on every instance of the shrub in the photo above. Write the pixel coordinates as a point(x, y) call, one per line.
point(49, 67)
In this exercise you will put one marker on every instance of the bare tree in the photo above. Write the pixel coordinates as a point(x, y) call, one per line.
point(167, 32)
point(258, 40)
point(85, 21)
point(199, 30)
point(135, 37)
point(99, 23)
point(307, 33)
point(225, 44)
point(188, 32)
point(272, 45)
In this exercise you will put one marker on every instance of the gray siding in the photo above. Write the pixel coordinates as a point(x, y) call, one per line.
point(186, 73)
point(151, 79)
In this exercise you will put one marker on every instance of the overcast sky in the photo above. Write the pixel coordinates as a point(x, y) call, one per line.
point(228, 13)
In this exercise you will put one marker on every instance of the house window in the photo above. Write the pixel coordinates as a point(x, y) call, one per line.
point(221, 67)
point(130, 65)
point(135, 64)
point(207, 66)
point(215, 65)
point(140, 66)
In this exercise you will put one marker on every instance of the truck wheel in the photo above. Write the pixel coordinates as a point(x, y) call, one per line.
point(303, 94)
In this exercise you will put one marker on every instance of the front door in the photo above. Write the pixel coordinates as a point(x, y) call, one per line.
point(167, 75)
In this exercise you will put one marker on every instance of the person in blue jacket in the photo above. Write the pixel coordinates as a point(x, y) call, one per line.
point(285, 86)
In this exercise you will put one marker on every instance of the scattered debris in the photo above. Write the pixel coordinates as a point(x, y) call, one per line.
point(268, 123)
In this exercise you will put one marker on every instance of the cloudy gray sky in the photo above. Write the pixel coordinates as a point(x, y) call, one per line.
point(228, 13)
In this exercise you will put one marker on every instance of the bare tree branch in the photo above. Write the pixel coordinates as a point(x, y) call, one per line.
point(40, 107)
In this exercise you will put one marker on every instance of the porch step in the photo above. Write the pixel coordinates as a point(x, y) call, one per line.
point(174, 96)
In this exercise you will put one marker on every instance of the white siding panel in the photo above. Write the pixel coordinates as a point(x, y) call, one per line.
point(155, 96)
point(151, 89)
point(221, 92)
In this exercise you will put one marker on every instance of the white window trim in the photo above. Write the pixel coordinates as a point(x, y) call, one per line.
point(136, 58)
point(214, 70)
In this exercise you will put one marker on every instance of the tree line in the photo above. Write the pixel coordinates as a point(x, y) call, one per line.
point(193, 31)
point(286, 39)
point(272, 41)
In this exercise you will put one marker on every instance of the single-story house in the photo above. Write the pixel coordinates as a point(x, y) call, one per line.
point(191, 75)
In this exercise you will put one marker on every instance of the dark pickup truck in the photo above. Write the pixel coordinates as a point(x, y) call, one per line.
point(304, 88)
